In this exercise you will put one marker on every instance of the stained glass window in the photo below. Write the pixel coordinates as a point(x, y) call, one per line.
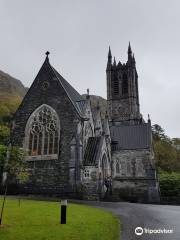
point(43, 132)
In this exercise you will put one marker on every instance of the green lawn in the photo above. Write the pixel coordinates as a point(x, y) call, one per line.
point(39, 220)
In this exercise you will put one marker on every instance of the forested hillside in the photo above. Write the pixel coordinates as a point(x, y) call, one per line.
point(11, 93)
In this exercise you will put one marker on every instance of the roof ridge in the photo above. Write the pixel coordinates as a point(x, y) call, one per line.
point(72, 89)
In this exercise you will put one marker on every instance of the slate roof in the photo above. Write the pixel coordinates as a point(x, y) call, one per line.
point(76, 99)
point(131, 137)
point(92, 151)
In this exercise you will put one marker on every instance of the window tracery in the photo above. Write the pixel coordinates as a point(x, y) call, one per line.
point(43, 132)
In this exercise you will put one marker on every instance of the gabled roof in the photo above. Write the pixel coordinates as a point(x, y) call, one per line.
point(131, 137)
point(92, 151)
point(76, 99)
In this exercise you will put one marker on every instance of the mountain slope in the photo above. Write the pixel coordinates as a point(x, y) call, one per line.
point(11, 93)
point(11, 85)
point(97, 100)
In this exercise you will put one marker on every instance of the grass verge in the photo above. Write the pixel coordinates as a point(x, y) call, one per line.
point(40, 220)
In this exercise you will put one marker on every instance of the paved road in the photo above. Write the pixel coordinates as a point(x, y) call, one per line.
point(147, 216)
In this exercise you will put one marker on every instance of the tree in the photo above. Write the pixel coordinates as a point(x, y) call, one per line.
point(4, 134)
point(17, 165)
point(3, 150)
point(159, 133)
point(14, 167)
point(166, 154)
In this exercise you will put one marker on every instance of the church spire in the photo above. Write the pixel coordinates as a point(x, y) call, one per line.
point(129, 49)
point(109, 53)
point(109, 57)
point(129, 52)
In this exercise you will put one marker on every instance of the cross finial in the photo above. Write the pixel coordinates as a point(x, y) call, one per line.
point(47, 54)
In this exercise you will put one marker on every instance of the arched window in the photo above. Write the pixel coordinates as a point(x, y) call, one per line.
point(124, 84)
point(118, 168)
point(42, 132)
point(140, 171)
point(116, 86)
point(105, 167)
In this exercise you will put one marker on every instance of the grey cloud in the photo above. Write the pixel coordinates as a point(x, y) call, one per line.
point(78, 33)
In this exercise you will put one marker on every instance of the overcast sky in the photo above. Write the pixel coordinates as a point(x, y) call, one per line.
point(78, 32)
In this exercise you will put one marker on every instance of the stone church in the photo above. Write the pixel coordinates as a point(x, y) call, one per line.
point(73, 152)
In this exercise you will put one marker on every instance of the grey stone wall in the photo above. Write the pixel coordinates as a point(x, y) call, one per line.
point(49, 175)
point(134, 176)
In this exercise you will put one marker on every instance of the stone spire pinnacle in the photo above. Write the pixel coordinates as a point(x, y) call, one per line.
point(129, 53)
point(109, 53)
point(133, 58)
point(87, 95)
point(129, 49)
point(114, 63)
point(109, 56)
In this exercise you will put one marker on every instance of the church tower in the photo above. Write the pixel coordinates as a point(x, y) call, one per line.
point(122, 91)
point(133, 167)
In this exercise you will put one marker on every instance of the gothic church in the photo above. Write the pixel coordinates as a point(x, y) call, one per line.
point(73, 152)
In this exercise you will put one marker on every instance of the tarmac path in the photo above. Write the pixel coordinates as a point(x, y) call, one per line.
point(147, 216)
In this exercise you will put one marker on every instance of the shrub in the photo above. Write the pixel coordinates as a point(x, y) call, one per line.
point(170, 184)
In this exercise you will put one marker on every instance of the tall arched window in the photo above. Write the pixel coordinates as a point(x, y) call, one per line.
point(105, 167)
point(124, 84)
point(116, 85)
point(42, 132)
point(118, 168)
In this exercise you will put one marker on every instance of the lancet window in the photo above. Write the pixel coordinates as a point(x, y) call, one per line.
point(124, 84)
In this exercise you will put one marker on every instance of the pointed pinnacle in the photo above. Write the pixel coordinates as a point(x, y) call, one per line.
point(109, 53)
point(87, 95)
point(114, 63)
point(133, 58)
point(129, 49)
